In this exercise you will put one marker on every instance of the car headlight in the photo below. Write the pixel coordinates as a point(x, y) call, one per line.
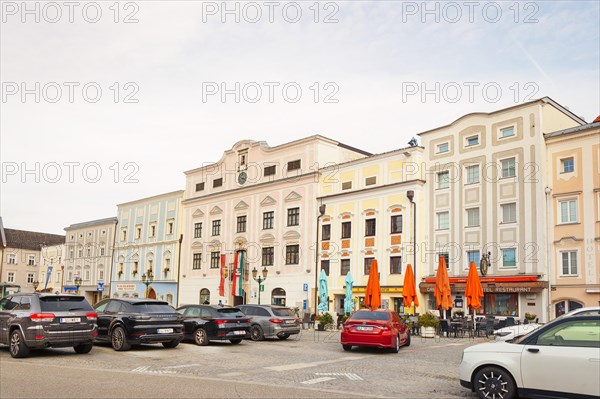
point(502, 334)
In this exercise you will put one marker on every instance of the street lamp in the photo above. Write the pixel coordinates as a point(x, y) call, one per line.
point(35, 285)
point(78, 283)
point(321, 213)
point(411, 197)
point(259, 280)
point(147, 280)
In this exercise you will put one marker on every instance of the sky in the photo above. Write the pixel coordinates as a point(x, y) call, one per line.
point(104, 103)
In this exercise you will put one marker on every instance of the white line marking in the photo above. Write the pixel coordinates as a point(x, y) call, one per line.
point(296, 366)
point(317, 380)
point(350, 376)
point(181, 366)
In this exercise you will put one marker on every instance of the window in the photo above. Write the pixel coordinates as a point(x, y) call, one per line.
point(369, 181)
point(569, 263)
point(169, 227)
point(135, 267)
point(367, 265)
point(472, 174)
point(80, 253)
point(268, 255)
point(325, 266)
point(396, 224)
point(270, 170)
point(198, 230)
point(218, 182)
point(562, 307)
point(215, 258)
point(473, 256)
point(30, 278)
point(572, 333)
point(473, 140)
point(242, 159)
point(568, 165)
point(344, 267)
point(443, 220)
point(293, 165)
point(241, 224)
point(473, 217)
point(509, 257)
point(72, 237)
point(150, 264)
point(446, 257)
point(347, 185)
point(89, 251)
point(370, 227)
point(326, 232)
point(443, 180)
point(11, 277)
point(12, 259)
point(89, 234)
point(507, 132)
point(31, 260)
point(216, 227)
point(441, 148)
point(395, 265)
point(205, 296)
point(199, 186)
point(71, 254)
point(497, 304)
point(268, 218)
point(293, 216)
point(58, 277)
point(509, 212)
point(100, 275)
point(197, 261)
point(86, 275)
point(102, 251)
point(292, 254)
point(138, 232)
point(346, 229)
point(123, 234)
point(568, 211)
point(103, 232)
point(508, 167)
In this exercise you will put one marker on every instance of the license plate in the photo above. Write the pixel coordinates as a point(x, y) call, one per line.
point(70, 319)
point(165, 330)
point(361, 328)
point(290, 322)
point(240, 332)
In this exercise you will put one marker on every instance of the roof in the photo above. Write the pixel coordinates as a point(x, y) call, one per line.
point(31, 239)
point(92, 223)
point(2, 236)
point(152, 198)
point(576, 129)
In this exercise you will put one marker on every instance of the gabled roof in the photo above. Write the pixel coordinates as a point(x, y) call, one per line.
point(31, 239)
point(572, 130)
point(113, 220)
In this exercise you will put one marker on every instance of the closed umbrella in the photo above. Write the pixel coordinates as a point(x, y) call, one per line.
point(473, 290)
point(443, 296)
point(348, 303)
point(323, 293)
point(373, 292)
point(409, 291)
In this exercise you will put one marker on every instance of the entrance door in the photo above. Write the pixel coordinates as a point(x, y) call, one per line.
point(151, 293)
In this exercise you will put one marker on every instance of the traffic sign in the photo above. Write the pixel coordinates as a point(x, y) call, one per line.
point(305, 287)
point(100, 287)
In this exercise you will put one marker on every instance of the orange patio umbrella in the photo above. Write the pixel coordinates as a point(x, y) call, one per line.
point(443, 296)
point(373, 292)
point(409, 291)
point(473, 291)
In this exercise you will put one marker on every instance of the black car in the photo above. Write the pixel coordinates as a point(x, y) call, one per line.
point(35, 320)
point(125, 322)
point(205, 323)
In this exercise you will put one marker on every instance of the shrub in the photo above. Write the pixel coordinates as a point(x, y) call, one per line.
point(428, 320)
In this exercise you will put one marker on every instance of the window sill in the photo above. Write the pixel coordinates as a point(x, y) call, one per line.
point(507, 177)
point(567, 223)
point(566, 173)
point(503, 223)
point(442, 188)
point(569, 276)
point(474, 226)
point(471, 183)
point(442, 229)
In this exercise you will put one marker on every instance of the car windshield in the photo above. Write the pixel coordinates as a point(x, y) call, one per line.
point(151, 307)
point(230, 312)
point(284, 312)
point(63, 303)
point(366, 315)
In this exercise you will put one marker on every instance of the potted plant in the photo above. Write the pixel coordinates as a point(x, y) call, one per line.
point(530, 316)
point(458, 313)
point(429, 324)
point(324, 319)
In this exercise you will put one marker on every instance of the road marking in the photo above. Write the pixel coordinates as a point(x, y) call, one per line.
point(233, 374)
point(350, 376)
point(181, 366)
point(317, 380)
point(144, 370)
point(296, 366)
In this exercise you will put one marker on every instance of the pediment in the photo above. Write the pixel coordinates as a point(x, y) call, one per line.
point(197, 244)
point(293, 196)
point(291, 235)
point(268, 200)
point(197, 213)
point(267, 238)
point(216, 210)
point(241, 206)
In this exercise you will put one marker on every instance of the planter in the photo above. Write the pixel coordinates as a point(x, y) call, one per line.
point(321, 327)
point(428, 332)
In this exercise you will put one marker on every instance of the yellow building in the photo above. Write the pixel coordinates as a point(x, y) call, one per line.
point(368, 216)
point(573, 197)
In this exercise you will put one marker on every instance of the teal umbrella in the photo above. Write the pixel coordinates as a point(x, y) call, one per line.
point(348, 302)
point(323, 293)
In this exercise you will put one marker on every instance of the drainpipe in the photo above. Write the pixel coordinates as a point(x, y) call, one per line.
point(548, 190)
point(321, 213)
point(178, 267)
point(112, 259)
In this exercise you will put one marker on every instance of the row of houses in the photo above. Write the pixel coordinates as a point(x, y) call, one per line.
point(518, 188)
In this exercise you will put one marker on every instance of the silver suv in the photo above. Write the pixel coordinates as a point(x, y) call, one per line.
point(271, 321)
point(34, 321)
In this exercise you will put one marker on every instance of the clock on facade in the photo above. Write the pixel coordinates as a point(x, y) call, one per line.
point(242, 177)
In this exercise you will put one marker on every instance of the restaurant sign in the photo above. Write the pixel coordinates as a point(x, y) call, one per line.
point(498, 287)
point(384, 290)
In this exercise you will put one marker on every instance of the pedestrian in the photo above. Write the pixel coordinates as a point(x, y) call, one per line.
point(220, 303)
point(312, 320)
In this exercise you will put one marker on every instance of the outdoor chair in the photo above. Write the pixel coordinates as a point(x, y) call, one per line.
point(501, 324)
point(447, 328)
point(510, 321)
point(489, 327)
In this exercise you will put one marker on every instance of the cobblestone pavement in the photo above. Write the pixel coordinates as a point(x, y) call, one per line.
point(313, 360)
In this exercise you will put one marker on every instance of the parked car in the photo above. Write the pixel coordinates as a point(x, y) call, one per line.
point(36, 320)
point(516, 331)
point(560, 359)
point(377, 328)
point(589, 310)
point(124, 322)
point(268, 321)
point(205, 323)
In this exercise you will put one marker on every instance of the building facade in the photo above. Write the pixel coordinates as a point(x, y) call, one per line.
point(52, 266)
point(257, 203)
point(369, 216)
point(573, 198)
point(88, 258)
point(147, 246)
point(486, 197)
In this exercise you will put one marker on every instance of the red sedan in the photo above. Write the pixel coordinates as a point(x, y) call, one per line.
point(378, 328)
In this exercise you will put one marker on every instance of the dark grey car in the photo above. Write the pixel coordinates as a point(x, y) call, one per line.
point(271, 321)
point(34, 321)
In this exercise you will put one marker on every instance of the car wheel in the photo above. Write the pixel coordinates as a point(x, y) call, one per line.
point(256, 333)
point(170, 344)
point(283, 336)
point(235, 341)
point(17, 345)
point(118, 339)
point(200, 337)
point(83, 348)
point(494, 382)
point(396, 347)
point(347, 348)
point(408, 340)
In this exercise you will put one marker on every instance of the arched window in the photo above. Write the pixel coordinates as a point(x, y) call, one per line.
point(204, 295)
point(170, 298)
point(115, 295)
point(566, 306)
point(278, 297)
point(135, 295)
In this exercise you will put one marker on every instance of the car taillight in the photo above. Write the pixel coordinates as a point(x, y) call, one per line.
point(276, 320)
point(140, 317)
point(221, 323)
point(92, 316)
point(41, 317)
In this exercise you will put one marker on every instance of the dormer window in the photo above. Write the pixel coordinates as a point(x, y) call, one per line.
point(242, 160)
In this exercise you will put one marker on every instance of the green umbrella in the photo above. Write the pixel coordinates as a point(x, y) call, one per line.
point(348, 303)
point(323, 293)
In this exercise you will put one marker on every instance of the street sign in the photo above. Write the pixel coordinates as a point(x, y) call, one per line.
point(305, 287)
point(304, 304)
point(262, 288)
point(100, 287)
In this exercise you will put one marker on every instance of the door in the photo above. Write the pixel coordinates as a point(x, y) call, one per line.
point(103, 319)
point(151, 293)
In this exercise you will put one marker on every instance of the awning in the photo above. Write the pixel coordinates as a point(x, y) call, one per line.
point(499, 285)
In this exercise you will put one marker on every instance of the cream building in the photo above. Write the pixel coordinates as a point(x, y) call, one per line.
point(52, 267)
point(369, 216)
point(486, 185)
point(260, 201)
point(88, 256)
point(573, 197)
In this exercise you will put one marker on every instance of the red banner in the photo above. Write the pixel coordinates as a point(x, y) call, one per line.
point(222, 282)
point(234, 273)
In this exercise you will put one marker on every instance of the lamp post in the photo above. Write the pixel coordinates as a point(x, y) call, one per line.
point(411, 197)
point(77, 283)
point(259, 279)
point(35, 285)
point(321, 213)
point(62, 277)
point(147, 280)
